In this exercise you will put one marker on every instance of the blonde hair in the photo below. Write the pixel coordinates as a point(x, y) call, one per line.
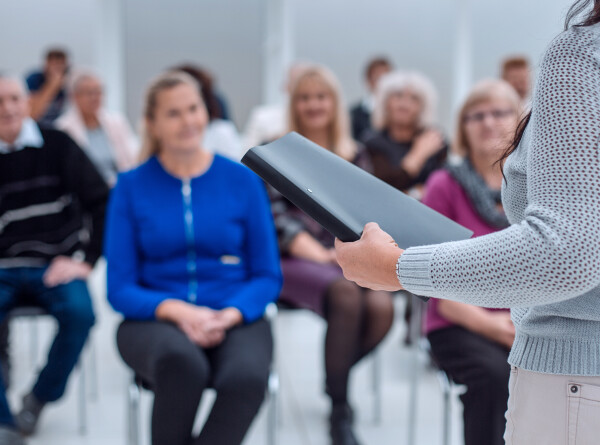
point(484, 91)
point(339, 133)
point(399, 81)
point(163, 82)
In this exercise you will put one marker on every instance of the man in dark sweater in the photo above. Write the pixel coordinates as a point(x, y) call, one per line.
point(361, 112)
point(48, 187)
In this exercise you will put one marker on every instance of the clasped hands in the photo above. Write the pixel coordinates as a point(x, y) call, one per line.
point(203, 326)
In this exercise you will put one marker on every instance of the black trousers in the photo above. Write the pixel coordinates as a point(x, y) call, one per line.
point(482, 366)
point(178, 371)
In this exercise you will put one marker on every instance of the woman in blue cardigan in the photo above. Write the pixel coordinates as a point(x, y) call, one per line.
point(192, 264)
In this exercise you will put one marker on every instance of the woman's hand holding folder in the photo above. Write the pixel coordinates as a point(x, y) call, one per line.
point(371, 261)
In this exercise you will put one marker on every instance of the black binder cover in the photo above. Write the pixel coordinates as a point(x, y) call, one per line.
point(343, 198)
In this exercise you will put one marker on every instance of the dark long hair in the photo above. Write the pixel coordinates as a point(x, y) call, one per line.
point(576, 10)
point(206, 88)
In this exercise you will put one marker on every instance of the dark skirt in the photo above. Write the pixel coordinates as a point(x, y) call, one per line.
point(305, 283)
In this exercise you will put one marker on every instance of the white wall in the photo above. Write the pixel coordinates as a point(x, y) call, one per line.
point(29, 27)
point(227, 37)
point(222, 35)
point(420, 35)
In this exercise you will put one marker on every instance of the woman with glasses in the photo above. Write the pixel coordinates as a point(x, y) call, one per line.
point(468, 342)
point(545, 266)
point(405, 149)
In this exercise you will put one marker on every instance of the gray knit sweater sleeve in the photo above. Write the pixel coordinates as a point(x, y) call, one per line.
point(551, 252)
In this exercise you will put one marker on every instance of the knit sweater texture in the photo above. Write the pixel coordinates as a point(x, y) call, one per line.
point(546, 265)
point(46, 194)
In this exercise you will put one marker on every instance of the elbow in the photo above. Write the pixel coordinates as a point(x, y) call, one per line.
point(576, 264)
point(115, 301)
point(567, 278)
point(567, 260)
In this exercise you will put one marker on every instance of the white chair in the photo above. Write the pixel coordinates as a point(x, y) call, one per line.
point(136, 385)
point(33, 313)
point(421, 353)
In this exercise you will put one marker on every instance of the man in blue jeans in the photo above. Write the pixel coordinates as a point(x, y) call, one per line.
point(48, 187)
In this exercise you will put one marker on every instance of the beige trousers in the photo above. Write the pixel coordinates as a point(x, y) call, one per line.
point(548, 409)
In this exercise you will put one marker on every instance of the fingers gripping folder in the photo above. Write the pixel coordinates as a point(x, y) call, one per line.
point(343, 198)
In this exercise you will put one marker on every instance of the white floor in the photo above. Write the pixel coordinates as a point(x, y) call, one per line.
point(303, 405)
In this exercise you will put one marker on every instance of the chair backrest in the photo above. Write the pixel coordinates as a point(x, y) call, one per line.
point(27, 311)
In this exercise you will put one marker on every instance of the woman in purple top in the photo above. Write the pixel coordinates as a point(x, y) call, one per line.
point(357, 318)
point(469, 342)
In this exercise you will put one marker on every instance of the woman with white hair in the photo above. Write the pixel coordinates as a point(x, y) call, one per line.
point(405, 149)
point(106, 137)
point(357, 319)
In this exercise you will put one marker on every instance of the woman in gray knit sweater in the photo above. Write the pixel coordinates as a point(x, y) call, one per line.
point(546, 265)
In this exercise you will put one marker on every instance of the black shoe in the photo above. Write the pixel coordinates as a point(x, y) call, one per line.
point(341, 421)
point(29, 416)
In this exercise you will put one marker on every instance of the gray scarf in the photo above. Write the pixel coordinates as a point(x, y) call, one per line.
point(484, 199)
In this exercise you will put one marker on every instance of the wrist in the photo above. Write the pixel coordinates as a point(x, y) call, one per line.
point(233, 316)
point(393, 264)
point(412, 164)
point(169, 309)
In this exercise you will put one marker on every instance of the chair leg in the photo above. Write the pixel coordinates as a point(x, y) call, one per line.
point(33, 339)
point(82, 399)
point(273, 391)
point(93, 370)
point(413, 396)
point(447, 405)
point(133, 414)
point(376, 384)
point(447, 417)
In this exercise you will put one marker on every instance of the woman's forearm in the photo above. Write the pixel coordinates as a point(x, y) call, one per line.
point(307, 247)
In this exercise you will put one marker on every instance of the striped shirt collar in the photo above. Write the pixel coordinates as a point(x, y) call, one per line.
point(30, 136)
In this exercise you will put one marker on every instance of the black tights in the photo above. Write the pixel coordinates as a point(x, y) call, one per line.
point(357, 320)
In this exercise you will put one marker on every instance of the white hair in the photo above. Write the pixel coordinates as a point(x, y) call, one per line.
point(398, 81)
point(80, 75)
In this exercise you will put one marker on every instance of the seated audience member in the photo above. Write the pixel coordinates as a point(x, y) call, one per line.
point(47, 88)
point(357, 319)
point(106, 137)
point(192, 263)
point(516, 71)
point(405, 149)
point(268, 122)
point(471, 343)
point(49, 187)
point(222, 111)
point(220, 135)
point(361, 112)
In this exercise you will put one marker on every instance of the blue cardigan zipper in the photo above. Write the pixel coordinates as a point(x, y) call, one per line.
point(186, 191)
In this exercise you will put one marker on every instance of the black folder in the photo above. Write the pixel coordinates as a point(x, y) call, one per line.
point(343, 198)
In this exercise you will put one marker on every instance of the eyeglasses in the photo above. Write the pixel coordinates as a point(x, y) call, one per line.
point(481, 115)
